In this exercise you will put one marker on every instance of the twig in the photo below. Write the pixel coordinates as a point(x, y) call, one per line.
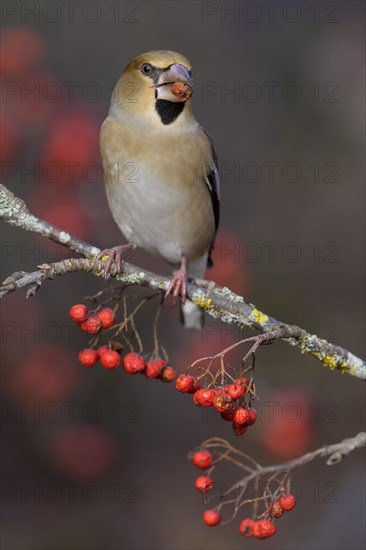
point(219, 302)
point(255, 472)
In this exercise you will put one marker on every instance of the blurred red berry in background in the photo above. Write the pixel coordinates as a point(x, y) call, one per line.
point(84, 452)
point(229, 268)
point(22, 50)
point(60, 206)
point(31, 101)
point(288, 428)
point(46, 373)
point(71, 150)
point(9, 137)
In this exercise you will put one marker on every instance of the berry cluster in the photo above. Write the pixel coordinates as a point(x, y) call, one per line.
point(104, 318)
point(265, 528)
point(232, 401)
point(261, 528)
point(109, 354)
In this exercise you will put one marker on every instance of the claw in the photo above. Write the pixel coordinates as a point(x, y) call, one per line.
point(114, 256)
point(178, 285)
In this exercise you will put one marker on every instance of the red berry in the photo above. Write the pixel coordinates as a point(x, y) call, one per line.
point(241, 416)
point(152, 369)
point(167, 374)
point(276, 510)
point(194, 400)
point(211, 517)
point(102, 350)
point(242, 382)
point(91, 325)
point(110, 359)
point(78, 313)
point(88, 357)
point(228, 415)
point(235, 391)
point(205, 397)
point(160, 362)
point(184, 383)
point(239, 430)
point(202, 460)
point(133, 363)
point(263, 529)
point(246, 527)
point(287, 502)
point(107, 317)
point(223, 403)
point(252, 417)
point(203, 484)
point(196, 386)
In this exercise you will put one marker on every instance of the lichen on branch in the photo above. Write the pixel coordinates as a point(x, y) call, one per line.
point(219, 302)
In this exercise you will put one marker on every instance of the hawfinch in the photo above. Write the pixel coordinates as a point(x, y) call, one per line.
point(160, 171)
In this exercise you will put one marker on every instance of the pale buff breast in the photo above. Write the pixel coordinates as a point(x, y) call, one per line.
point(156, 189)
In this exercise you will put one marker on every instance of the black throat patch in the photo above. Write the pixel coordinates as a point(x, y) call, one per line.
point(168, 110)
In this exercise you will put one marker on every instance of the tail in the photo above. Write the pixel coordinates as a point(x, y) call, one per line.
point(191, 315)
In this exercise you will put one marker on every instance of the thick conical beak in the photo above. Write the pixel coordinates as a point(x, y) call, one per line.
point(175, 73)
point(167, 84)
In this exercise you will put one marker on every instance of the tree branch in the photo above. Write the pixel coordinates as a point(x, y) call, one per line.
point(278, 474)
point(219, 302)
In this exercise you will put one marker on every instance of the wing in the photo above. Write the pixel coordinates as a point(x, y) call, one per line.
point(213, 184)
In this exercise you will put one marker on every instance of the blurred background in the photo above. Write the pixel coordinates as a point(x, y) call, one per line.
point(93, 459)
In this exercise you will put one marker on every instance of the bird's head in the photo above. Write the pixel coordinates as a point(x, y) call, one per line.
point(154, 89)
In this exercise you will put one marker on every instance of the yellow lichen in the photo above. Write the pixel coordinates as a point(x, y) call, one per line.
point(329, 361)
point(202, 302)
point(259, 316)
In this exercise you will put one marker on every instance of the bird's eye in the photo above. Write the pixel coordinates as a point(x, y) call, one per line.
point(146, 68)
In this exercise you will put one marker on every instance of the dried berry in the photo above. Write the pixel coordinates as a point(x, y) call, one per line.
point(241, 416)
point(205, 397)
point(184, 383)
point(167, 374)
point(133, 363)
point(246, 527)
point(203, 484)
point(287, 502)
point(263, 529)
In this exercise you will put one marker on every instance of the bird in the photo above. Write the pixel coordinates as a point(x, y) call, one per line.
point(161, 172)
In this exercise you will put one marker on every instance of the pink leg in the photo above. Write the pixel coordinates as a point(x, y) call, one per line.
point(114, 256)
point(178, 285)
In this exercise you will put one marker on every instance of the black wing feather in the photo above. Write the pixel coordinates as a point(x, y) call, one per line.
point(212, 182)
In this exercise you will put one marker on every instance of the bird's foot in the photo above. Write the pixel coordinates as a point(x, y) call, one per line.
point(114, 256)
point(178, 285)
